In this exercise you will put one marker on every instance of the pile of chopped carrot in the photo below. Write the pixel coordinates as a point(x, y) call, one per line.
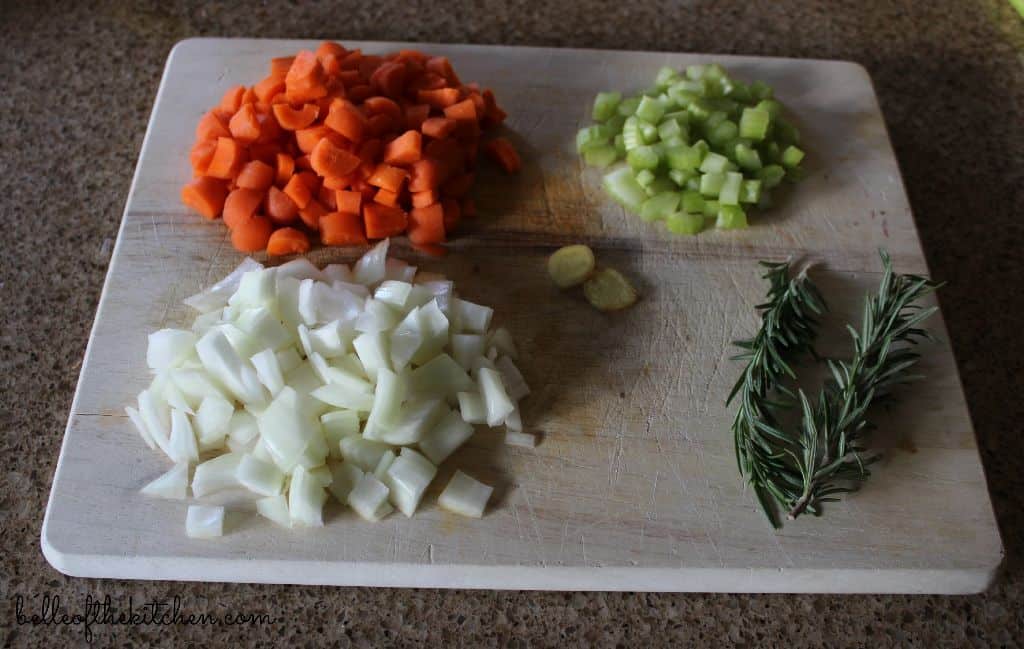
point(346, 145)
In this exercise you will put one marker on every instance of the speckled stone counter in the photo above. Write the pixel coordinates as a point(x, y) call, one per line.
point(77, 81)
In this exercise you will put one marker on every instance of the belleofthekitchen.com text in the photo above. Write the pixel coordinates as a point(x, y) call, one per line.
point(51, 611)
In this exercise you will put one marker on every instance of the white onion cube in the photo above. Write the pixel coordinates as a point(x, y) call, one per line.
point(442, 440)
point(363, 453)
point(369, 498)
point(344, 476)
point(275, 508)
point(216, 474)
point(173, 484)
point(259, 477)
point(472, 407)
point(407, 479)
point(496, 400)
point(204, 522)
point(169, 347)
point(465, 496)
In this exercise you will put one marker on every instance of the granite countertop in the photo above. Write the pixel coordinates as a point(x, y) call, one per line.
point(78, 83)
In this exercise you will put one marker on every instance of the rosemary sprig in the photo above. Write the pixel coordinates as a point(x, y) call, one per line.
point(798, 471)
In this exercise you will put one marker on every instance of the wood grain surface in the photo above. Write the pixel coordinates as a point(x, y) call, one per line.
point(634, 484)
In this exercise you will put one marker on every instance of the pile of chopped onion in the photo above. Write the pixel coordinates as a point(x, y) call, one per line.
point(294, 383)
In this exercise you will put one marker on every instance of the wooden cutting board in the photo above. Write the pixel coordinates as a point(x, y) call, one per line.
point(634, 484)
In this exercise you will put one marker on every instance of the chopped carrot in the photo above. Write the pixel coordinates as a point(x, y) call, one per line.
point(387, 177)
point(251, 234)
point(248, 97)
point(382, 221)
point(311, 214)
point(427, 81)
point(302, 162)
point(240, 204)
point(415, 115)
point(200, 156)
point(244, 126)
point(405, 149)
point(359, 92)
point(448, 153)
point(266, 89)
point(438, 127)
point(380, 124)
point(346, 119)
point(338, 182)
point(342, 229)
point(352, 60)
point(292, 119)
point(441, 66)
point(348, 201)
point(265, 152)
point(349, 78)
point(383, 106)
point(463, 111)
point(270, 130)
point(287, 241)
point(332, 66)
point(384, 197)
point(305, 79)
point(425, 197)
point(501, 151)
point(285, 168)
point(440, 98)
point(281, 209)
point(255, 174)
point(452, 214)
point(369, 64)
point(328, 198)
point(458, 186)
point(424, 175)
point(211, 126)
point(311, 179)
point(426, 224)
point(228, 158)
point(232, 99)
point(330, 48)
point(369, 150)
point(298, 191)
point(478, 103)
point(279, 67)
point(389, 79)
point(330, 160)
point(205, 195)
point(308, 138)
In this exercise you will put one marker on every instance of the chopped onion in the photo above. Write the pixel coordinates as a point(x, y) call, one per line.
point(183, 440)
point(372, 349)
point(275, 508)
point(216, 474)
point(268, 370)
point(173, 484)
point(157, 418)
point(300, 268)
point(369, 498)
point(471, 317)
point(372, 267)
point(221, 360)
point(217, 295)
point(472, 408)
point(407, 478)
point(496, 399)
point(344, 476)
point(448, 434)
point(336, 425)
point(416, 418)
point(514, 438)
point(169, 347)
point(406, 339)
point(501, 340)
point(465, 496)
point(258, 476)
point(364, 453)
point(394, 293)
point(513, 380)
point(264, 329)
point(386, 461)
point(286, 429)
point(441, 377)
point(337, 273)
point(306, 499)
point(434, 325)
point(212, 422)
point(466, 347)
point(288, 359)
point(377, 316)
point(140, 426)
point(387, 402)
point(204, 522)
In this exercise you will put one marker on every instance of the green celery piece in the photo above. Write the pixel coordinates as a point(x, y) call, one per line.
point(761, 90)
point(669, 128)
point(628, 106)
point(693, 202)
point(773, 107)
point(754, 123)
point(658, 207)
point(589, 137)
point(631, 136)
point(771, 175)
point(723, 133)
point(684, 223)
point(648, 131)
point(645, 177)
point(711, 209)
point(666, 76)
point(693, 183)
point(684, 158)
point(703, 147)
point(792, 156)
point(680, 176)
point(682, 97)
point(731, 217)
point(747, 157)
point(650, 110)
point(714, 162)
point(620, 146)
point(715, 71)
point(711, 184)
point(727, 106)
point(714, 119)
point(681, 116)
point(660, 185)
point(605, 105)
point(673, 141)
point(613, 126)
point(739, 92)
point(750, 192)
point(730, 192)
point(624, 188)
point(699, 110)
point(785, 132)
point(600, 156)
point(687, 85)
point(695, 72)
point(770, 152)
point(643, 157)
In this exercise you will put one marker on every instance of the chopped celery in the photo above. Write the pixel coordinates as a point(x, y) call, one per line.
point(660, 185)
point(628, 106)
point(754, 123)
point(773, 107)
point(684, 223)
point(730, 192)
point(711, 209)
point(612, 127)
point(785, 131)
point(792, 156)
point(761, 90)
point(695, 72)
point(645, 178)
point(714, 71)
point(669, 128)
point(624, 188)
point(714, 162)
point(771, 175)
point(666, 76)
point(680, 176)
point(588, 138)
point(699, 110)
point(711, 183)
point(731, 217)
point(650, 110)
point(703, 147)
point(750, 192)
point(648, 131)
point(605, 105)
point(681, 116)
point(660, 206)
point(715, 118)
point(683, 158)
point(693, 202)
point(631, 136)
point(771, 152)
point(673, 141)
point(747, 157)
point(600, 156)
point(722, 133)
point(643, 157)
point(693, 183)
point(620, 146)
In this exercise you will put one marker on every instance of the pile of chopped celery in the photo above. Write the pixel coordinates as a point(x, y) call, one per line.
point(700, 148)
